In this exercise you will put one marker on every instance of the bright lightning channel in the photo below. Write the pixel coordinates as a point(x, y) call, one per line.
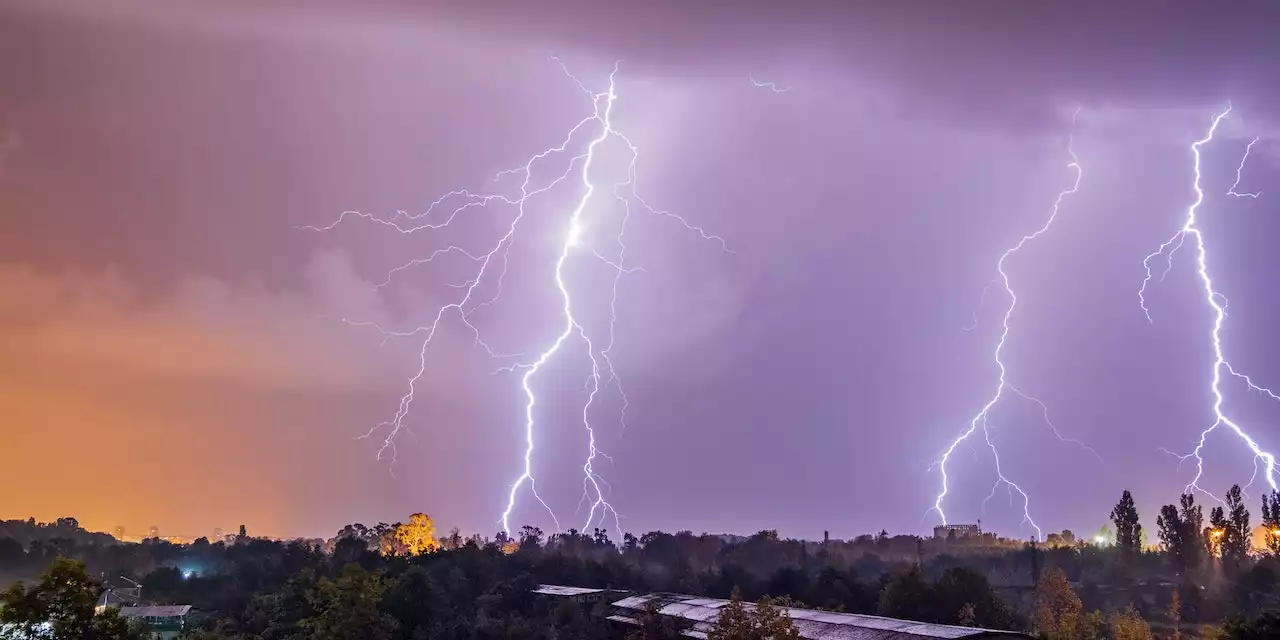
point(601, 374)
point(1218, 303)
point(981, 420)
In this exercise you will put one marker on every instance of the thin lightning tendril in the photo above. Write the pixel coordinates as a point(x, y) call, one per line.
point(1239, 168)
point(981, 420)
point(767, 85)
point(602, 374)
point(1218, 303)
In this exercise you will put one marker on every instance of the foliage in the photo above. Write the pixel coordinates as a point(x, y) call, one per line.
point(1128, 528)
point(1271, 521)
point(377, 581)
point(1237, 537)
point(347, 608)
point(766, 621)
point(1174, 613)
point(653, 625)
point(1128, 625)
point(1056, 609)
point(64, 600)
point(418, 535)
point(1181, 536)
point(1264, 627)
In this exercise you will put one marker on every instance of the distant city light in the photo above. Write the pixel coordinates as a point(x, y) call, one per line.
point(187, 574)
point(1099, 540)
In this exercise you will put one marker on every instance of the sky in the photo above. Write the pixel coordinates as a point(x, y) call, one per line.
point(174, 351)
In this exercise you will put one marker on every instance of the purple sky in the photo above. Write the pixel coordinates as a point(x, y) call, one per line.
point(167, 325)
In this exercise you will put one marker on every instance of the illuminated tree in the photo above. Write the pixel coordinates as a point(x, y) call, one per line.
point(418, 535)
point(1056, 609)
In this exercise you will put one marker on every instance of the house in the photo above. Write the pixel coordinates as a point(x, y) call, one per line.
point(946, 531)
point(165, 622)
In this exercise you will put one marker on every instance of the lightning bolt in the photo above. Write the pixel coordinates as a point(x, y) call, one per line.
point(1239, 168)
point(490, 270)
point(1218, 303)
point(767, 85)
point(981, 420)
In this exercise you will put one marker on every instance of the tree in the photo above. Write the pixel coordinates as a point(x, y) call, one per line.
point(1128, 625)
point(906, 595)
point(1271, 521)
point(1264, 627)
point(1175, 616)
point(1236, 534)
point(965, 597)
point(1056, 609)
point(1128, 529)
point(418, 535)
point(768, 622)
point(653, 625)
point(1093, 626)
point(1216, 532)
point(64, 598)
point(1180, 534)
point(347, 608)
point(772, 622)
point(733, 623)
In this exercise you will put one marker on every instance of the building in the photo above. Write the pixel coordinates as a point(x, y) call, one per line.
point(581, 595)
point(696, 615)
point(118, 533)
point(946, 531)
point(153, 532)
point(121, 592)
point(164, 622)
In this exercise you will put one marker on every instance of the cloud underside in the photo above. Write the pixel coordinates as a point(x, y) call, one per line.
point(101, 326)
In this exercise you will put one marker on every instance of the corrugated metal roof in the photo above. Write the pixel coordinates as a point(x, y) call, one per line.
point(166, 611)
point(561, 590)
point(812, 624)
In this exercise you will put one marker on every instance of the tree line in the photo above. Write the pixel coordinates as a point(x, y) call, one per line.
point(405, 581)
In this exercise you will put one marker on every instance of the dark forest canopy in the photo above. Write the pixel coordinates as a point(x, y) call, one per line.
point(403, 581)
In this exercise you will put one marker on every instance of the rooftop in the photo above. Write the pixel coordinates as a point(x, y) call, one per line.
point(167, 611)
point(811, 623)
point(561, 590)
